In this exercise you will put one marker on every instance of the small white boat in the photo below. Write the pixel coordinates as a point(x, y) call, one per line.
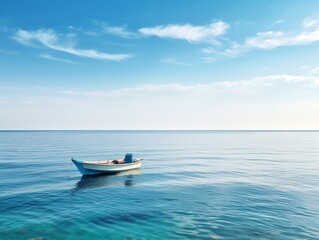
point(108, 166)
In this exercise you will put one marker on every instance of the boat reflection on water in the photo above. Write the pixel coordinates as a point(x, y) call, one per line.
point(116, 179)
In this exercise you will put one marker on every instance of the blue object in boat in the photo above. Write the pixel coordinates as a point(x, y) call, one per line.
point(128, 158)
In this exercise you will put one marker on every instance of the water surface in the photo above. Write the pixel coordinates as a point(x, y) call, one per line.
point(192, 185)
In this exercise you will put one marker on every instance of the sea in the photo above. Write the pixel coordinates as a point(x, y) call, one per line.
point(192, 185)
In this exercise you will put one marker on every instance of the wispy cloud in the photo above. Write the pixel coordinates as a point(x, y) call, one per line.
point(267, 81)
point(311, 22)
point(311, 78)
point(50, 57)
point(271, 39)
point(50, 39)
point(279, 21)
point(176, 62)
point(209, 59)
point(121, 32)
point(106, 28)
point(287, 78)
point(188, 32)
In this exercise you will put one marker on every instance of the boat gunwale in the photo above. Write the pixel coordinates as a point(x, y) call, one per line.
point(109, 162)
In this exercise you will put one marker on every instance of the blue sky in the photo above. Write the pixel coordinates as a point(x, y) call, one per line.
point(159, 65)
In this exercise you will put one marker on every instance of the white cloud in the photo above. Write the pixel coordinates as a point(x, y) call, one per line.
point(50, 57)
point(234, 50)
point(266, 40)
point(288, 78)
point(271, 39)
point(310, 23)
point(50, 39)
point(188, 32)
point(241, 104)
point(209, 59)
point(175, 62)
point(120, 31)
point(314, 70)
point(268, 80)
point(279, 21)
point(311, 78)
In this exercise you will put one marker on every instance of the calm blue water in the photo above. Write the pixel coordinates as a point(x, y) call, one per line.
point(192, 185)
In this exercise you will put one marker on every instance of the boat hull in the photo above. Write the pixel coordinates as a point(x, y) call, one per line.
point(87, 168)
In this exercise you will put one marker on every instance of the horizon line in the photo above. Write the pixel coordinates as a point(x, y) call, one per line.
point(260, 130)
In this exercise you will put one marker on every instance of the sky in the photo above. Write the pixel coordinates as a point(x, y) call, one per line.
point(155, 65)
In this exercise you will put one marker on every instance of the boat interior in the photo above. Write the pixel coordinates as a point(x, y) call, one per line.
point(115, 161)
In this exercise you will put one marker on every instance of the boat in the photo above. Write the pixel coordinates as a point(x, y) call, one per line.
point(108, 166)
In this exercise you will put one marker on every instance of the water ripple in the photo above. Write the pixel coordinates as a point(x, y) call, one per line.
point(193, 185)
